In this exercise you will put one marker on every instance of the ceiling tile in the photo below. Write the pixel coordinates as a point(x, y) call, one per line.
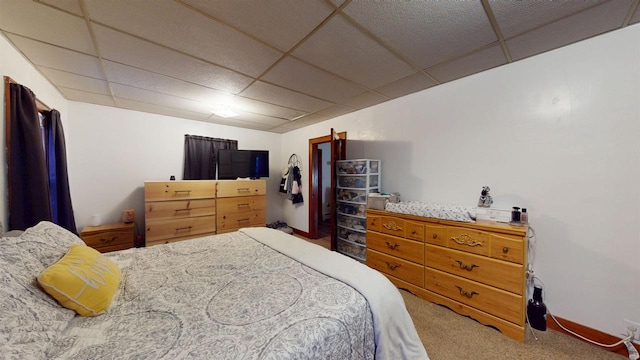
point(58, 58)
point(261, 119)
point(334, 111)
point(127, 75)
point(238, 123)
point(405, 86)
point(73, 81)
point(161, 110)
point(427, 32)
point(151, 97)
point(297, 75)
point(260, 107)
point(87, 97)
point(312, 119)
point(298, 124)
point(594, 21)
point(283, 97)
point(37, 21)
point(129, 50)
point(72, 6)
point(343, 49)
point(365, 100)
point(178, 27)
point(281, 24)
point(477, 62)
point(516, 17)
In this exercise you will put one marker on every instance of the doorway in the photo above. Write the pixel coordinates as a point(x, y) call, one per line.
point(321, 173)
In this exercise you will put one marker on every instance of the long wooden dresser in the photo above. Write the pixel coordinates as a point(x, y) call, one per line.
point(241, 203)
point(476, 269)
point(179, 210)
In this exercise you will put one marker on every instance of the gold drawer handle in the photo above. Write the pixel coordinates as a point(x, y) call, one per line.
point(465, 239)
point(188, 228)
point(179, 191)
point(466, 293)
point(392, 247)
point(466, 267)
point(183, 210)
point(243, 189)
point(106, 241)
point(243, 204)
point(391, 225)
point(391, 266)
point(245, 219)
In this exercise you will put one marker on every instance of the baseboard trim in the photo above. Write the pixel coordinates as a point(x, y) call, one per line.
point(301, 233)
point(589, 333)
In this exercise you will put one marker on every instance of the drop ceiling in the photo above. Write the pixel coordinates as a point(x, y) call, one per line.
point(284, 64)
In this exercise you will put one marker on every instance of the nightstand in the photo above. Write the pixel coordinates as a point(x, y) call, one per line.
point(109, 237)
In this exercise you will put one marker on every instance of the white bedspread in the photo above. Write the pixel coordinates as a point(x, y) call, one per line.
point(395, 335)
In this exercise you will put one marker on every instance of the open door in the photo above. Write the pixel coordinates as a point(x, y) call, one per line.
point(337, 151)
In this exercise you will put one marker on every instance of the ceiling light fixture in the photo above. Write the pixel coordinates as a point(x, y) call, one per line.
point(223, 111)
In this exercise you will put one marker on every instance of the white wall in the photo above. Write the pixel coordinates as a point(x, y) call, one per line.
point(114, 151)
point(15, 66)
point(558, 133)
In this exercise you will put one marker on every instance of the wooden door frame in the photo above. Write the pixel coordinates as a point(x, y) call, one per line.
point(314, 190)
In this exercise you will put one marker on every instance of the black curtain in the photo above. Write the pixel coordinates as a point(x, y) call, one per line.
point(201, 156)
point(28, 179)
point(56, 154)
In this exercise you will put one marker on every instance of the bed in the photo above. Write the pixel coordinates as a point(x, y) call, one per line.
point(257, 293)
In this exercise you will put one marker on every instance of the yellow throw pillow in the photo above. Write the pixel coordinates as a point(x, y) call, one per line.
point(83, 280)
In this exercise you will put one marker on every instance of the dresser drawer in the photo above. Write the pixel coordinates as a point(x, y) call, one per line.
point(392, 226)
point(500, 303)
point(402, 248)
point(159, 210)
point(232, 188)
point(179, 190)
point(508, 248)
point(236, 220)
point(414, 231)
point(434, 234)
point(110, 237)
point(241, 203)
point(469, 240)
point(176, 228)
point(401, 269)
point(504, 275)
point(373, 223)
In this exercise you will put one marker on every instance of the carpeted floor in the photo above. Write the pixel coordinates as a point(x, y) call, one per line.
point(447, 335)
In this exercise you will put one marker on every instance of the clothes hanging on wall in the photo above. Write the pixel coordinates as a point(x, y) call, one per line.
point(291, 182)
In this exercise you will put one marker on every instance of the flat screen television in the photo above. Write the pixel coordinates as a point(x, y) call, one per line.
point(233, 164)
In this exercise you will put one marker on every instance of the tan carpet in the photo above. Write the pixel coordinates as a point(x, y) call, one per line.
point(447, 335)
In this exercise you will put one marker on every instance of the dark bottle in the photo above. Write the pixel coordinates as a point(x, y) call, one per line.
point(515, 214)
point(537, 311)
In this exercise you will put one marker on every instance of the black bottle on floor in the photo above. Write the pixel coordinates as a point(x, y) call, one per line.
point(537, 311)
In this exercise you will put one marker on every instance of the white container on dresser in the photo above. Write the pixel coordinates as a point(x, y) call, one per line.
point(241, 203)
point(355, 180)
point(476, 269)
point(179, 210)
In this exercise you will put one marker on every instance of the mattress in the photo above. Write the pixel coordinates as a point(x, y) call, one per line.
point(228, 296)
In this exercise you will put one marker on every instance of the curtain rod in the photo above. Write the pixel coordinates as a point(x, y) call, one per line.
point(39, 104)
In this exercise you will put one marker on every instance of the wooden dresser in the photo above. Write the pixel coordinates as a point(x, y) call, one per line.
point(108, 237)
point(241, 203)
point(179, 210)
point(476, 269)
